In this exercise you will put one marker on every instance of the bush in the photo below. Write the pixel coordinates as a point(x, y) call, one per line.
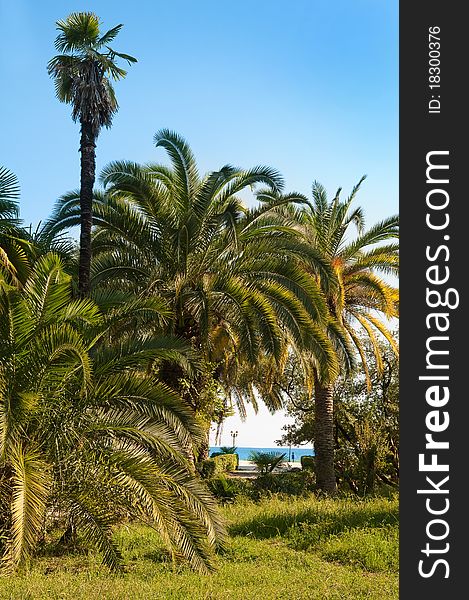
point(307, 463)
point(220, 463)
point(226, 450)
point(290, 484)
point(266, 462)
point(223, 489)
point(361, 464)
point(226, 462)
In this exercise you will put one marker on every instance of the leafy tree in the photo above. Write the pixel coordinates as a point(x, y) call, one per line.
point(83, 73)
point(230, 276)
point(88, 435)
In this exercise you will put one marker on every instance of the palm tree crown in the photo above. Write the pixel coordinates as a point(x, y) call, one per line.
point(82, 71)
point(358, 261)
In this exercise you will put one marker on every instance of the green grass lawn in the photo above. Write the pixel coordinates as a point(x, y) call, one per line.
point(279, 549)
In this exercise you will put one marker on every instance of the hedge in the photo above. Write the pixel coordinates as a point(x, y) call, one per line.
point(215, 454)
point(226, 462)
point(307, 462)
point(223, 463)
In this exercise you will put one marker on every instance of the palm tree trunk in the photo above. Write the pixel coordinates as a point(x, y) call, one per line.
point(324, 437)
point(88, 174)
point(204, 449)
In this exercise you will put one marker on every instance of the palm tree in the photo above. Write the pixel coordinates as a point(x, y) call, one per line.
point(361, 299)
point(228, 450)
point(82, 75)
point(13, 247)
point(267, 462)
point(230, 276)
point(87, 434)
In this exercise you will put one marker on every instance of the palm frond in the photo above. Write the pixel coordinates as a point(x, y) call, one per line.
point(9, 194)
point(30, 489)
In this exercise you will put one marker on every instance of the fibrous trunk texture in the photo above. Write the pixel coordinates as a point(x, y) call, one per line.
point(324, 438)
point(88, 173)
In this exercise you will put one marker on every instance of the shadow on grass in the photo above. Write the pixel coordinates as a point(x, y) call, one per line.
point(158, 556)
point(59, 549)
point(321, 522)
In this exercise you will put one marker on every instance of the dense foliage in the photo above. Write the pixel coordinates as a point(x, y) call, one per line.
point(179, 304)
point(88, 435)
point(233, 278)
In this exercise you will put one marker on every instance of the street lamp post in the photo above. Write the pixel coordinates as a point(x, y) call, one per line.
point(234, 435)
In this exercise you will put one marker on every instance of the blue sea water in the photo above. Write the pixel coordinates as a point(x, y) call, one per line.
point(293, 453)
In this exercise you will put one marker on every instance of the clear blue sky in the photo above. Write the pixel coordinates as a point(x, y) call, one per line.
point(307, 86)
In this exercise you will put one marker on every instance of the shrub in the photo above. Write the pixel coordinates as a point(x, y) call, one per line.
point(226, 462)
point(220, 463)
point(361, 464)
point(226, 450)
point(288, 484)
point(307, 463)
point(267, 461)
point(223, 489)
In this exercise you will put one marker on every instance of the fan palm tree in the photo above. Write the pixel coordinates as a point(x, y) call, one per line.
point(83, 74)
point(362, 300)
point(87, 433)
point(267, 462)
point(231, 278)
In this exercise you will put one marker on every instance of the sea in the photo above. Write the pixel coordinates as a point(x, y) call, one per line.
point(293, 454)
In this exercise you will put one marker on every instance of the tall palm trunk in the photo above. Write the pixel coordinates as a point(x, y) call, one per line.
point(204, 449)
point(88, 173)
point(324, 437)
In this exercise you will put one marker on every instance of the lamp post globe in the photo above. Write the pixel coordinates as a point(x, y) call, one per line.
point(234, 435)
